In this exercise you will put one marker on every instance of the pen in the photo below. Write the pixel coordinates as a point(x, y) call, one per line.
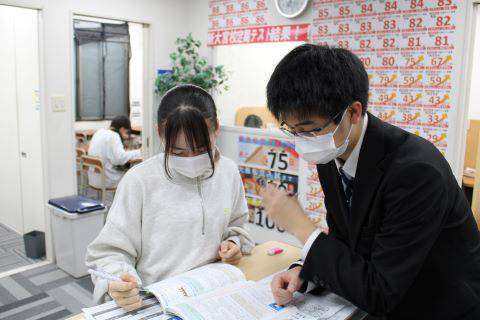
point(108, 276)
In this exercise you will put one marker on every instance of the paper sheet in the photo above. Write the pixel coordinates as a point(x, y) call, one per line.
point(323, 306)
point(151, 310)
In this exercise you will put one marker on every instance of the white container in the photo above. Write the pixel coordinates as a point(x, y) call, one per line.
point(72, 233)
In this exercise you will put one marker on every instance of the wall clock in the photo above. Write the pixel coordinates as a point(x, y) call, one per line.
point(291, 8)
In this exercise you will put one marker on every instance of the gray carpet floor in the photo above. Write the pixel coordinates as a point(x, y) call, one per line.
point(12, 250)
point(44, 293)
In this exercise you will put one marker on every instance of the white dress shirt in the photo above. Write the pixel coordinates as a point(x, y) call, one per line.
point(107, 145)
point(350, 169)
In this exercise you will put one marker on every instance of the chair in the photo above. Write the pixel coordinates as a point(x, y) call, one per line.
point(80, 153)
point(261, 112)
point(80, 137)
point(95, 164)
point(471, 151)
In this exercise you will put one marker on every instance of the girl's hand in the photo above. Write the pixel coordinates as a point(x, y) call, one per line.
point(229, 252)
point(125, 292)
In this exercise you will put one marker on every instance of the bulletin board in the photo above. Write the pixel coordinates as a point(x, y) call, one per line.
point(265, 160)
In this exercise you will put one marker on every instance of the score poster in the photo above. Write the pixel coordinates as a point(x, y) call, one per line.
point(263, 160)
point(407, 47)
point(410, 49)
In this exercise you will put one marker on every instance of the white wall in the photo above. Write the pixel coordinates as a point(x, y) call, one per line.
point(251, 66)
point(474, 104)
point(92, 125)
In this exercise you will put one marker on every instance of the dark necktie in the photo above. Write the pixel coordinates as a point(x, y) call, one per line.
point(347, 187)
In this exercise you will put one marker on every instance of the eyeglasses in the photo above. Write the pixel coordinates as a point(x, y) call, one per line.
point(308, 134)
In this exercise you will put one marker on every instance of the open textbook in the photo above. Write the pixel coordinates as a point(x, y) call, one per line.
point(220, 291)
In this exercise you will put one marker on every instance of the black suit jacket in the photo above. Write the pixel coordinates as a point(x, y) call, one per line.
point(410, 248)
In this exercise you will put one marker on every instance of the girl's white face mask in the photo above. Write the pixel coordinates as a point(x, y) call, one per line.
point(321, 149)
point(191, 167)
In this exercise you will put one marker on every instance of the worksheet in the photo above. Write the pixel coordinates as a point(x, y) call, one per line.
point(324, 306)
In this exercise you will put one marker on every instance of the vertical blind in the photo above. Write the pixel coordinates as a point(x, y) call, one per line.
point(102, 70)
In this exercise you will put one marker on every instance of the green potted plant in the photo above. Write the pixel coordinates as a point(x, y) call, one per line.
point(189, 67)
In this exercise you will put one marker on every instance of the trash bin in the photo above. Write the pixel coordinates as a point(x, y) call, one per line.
point(34, 244)
point(76, 222)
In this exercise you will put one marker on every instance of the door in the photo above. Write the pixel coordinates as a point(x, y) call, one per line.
point(29, 130)
point(21, 173)
point(10, 189)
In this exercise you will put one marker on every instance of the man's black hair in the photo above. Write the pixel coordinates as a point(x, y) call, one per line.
point(121, 122)
point(314, 80)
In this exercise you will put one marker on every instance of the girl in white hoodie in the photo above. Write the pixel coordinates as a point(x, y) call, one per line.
point(175, 211)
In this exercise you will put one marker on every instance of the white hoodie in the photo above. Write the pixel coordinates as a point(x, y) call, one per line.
point(157, 227)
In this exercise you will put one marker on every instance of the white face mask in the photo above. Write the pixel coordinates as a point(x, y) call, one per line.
point(321, 149)
point(191, 167)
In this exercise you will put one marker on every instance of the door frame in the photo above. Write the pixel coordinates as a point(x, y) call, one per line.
point(465, 85)
point(148, 78)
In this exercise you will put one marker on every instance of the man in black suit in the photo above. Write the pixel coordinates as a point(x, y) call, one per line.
point(402, 240)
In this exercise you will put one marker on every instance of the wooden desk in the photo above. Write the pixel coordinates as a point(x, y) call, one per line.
point(260, 265)
point(87, 133)
point(468, 182)
point(134, 162)
point(137, 129)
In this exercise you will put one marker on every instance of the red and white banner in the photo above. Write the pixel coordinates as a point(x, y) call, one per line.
point(295, 32)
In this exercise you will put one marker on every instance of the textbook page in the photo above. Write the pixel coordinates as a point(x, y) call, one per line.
point(150, 310)
point(242, 301)
point(195, 282)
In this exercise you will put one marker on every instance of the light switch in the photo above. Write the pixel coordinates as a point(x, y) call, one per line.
point(58, 103)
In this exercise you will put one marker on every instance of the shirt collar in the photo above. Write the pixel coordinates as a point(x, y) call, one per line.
point(350, 166)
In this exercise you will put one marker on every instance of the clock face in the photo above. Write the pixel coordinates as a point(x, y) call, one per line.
point(291, 8)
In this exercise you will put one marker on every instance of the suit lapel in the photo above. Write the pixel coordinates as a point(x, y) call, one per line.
point(333, 189)
point(368, 175)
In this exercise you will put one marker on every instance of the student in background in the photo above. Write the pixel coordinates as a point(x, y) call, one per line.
point(107, 144)
point(175, 211)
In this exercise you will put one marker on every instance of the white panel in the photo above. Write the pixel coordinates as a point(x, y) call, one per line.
point(227, 143)
point(10, 194)
point(474, 112)
point(28, 103)
point(250, 67)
